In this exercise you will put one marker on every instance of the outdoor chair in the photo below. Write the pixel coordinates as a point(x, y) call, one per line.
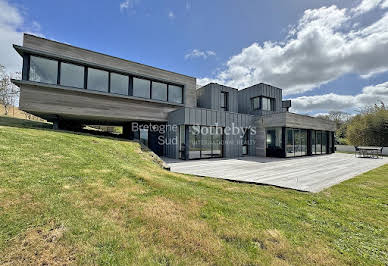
point(356, 151)
point(380, 152)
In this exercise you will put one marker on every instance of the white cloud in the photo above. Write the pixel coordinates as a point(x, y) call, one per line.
point(128, 4)
point(320, 48)
point(198, 53)
point(171, 15)
point(370, 95)
point(384, 4)
point(12, 25)
point(366, 6)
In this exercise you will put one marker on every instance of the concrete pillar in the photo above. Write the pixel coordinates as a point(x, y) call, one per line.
point(127, 131)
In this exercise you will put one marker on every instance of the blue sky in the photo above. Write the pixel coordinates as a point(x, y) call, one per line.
point(315, 53)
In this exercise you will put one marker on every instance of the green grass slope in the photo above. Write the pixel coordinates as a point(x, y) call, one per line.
point(70, 198)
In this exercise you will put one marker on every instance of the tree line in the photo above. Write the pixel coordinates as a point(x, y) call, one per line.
point(367, 128)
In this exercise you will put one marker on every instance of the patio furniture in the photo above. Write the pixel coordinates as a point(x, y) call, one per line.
point(380, 152)
point(356, 151)
point(368, 152)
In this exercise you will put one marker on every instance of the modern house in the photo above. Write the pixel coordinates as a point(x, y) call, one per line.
point(72, 87)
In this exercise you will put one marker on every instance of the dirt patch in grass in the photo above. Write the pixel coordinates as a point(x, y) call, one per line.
point(168, 224)
point(40, 246)
point(12, 199)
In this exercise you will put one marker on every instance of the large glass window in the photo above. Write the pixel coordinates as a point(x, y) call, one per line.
point(296, 142)
point(303, 141)
point(289, 142)
point(255, 102)
point(274, 142)
point(268, 104)
point(182, 141)
point(141, 88)
point(119, 84)
point(330, 142)
point(217, 141)
point(324, 142)
point(194, 142)
point(72, 75)
point(318, 142)
point(175, 94)
point(313, 142)
point(205, 142)
point(159, 91)
point(144, 136)
point(43, 70)
point(224, 101)
point(245, 142)
point(98, 80)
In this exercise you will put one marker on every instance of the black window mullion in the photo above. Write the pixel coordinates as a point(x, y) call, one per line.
point(200, 141)
point(150, 89)
point(86, 78)
point(59, 73)
point(109, 74)
point(130, 86)
point(168, 98)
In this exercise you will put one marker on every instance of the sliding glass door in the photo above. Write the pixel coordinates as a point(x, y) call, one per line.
point(194, 143)
point(296, 142)
point(324, 142)
point(205, 142)
point(289, 142)
point(319, 143)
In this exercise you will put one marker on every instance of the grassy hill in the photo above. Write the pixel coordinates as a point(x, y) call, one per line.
point(15, 112)
point(69, 198)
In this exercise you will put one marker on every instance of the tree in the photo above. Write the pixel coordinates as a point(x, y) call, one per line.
point(370, 127)
point(341, 120)
point(8, 91)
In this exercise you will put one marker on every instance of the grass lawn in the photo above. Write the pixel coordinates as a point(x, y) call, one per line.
point(70, 198)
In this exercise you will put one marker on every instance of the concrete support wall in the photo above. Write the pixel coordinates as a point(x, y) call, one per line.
point(51, 102)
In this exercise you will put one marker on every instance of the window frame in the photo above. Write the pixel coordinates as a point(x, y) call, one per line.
point(259, 103)
point(271, 103)
point(168, 93)
point(152, 90)
point(224, 95)
point(110, 83)
point(47, 58)
point(27, 69)
point(60, 74)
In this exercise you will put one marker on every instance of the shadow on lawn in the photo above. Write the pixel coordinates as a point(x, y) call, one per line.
point(30, 124)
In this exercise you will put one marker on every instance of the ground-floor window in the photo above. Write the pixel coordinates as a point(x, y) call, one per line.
point(319, 141)
point(204, 142)
point(296, 142)
point(245, 141)
point(274, 142)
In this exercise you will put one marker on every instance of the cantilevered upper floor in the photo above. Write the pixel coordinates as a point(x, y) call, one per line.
point(60, 80)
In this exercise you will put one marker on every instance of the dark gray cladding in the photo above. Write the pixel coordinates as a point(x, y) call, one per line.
point(286, 119)
point(206, 117)
point(209, 97)
point(245, 96)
